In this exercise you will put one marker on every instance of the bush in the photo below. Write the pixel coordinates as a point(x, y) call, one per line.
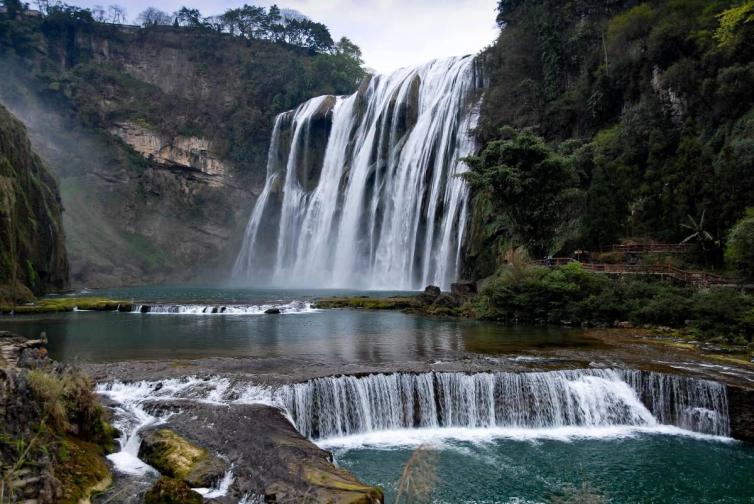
point(570, 294)
point(740, 251)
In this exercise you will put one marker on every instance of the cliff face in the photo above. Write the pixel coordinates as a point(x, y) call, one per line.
point(32, 248)
point(159, 137)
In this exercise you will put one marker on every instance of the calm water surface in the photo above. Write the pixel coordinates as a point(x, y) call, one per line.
point(337, 335)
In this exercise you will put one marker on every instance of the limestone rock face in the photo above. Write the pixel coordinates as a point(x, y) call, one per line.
point(181, 151)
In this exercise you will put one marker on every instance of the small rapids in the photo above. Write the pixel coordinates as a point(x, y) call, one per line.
point(401, 407)
point(294, 307)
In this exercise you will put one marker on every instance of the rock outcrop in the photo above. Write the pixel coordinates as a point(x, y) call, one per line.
point(54, 433)
point(176, 457)
point(270, 459)
point(741, 410)
point(32, 248)
point(159, 136)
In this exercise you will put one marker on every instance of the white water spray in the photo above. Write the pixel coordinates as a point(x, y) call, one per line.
point(362, 191)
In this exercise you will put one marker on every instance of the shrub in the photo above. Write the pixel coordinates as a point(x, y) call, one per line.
point(740, 251)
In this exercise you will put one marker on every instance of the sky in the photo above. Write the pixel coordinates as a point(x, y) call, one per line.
point(391, 33)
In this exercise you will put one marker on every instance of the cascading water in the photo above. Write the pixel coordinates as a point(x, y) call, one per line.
point(341, 406)
point(362, 191)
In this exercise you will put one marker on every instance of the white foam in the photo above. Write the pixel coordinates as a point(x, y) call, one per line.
point(220, 489)
point(442, 438)
point(127, 463)
point(291, 308)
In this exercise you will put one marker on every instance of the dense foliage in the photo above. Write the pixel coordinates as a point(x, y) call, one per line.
point(740, 251)
point(653, 101)
point(32, 253)
point(571, 295)
point(276, 65)
point(533, 186)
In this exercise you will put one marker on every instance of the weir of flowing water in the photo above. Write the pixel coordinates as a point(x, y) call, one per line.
point(362, 191)
point(342, 406)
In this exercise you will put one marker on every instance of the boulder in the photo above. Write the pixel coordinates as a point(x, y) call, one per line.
point(463, 290)
point(431, 292)
point(446, 301)
point(273, 311)
point(176, 457)
point(172, 491)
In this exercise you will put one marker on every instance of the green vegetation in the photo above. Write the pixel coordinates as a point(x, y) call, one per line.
point(66, 304)
point(740, 251)
point(650, 104)
point(32, 253)
point(172, 491)
point(66, 428)
point(365, 302)
point(532, 186)
point(571, 295)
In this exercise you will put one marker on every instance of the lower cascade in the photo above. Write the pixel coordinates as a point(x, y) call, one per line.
point(346, 405)
point(362, 191)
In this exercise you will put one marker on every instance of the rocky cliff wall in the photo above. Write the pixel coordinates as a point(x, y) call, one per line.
point(32, 249)
point(159, 137)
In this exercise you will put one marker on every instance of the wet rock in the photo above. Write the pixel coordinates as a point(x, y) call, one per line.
point(273, 311)
point(269, 456)
point(463, 290)
point(446, 301)
point(431, 292)
point(172, 491)
point(178, 458)
point(741, 411)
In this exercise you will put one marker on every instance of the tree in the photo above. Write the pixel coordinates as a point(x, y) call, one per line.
point(153, 16)
point(347, 48)
point(116, 14)
point(191, 18)
point(529, 183)
point(699, 233)
point(739, 253)
point(99, 14)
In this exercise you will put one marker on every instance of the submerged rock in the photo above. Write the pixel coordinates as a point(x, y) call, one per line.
point(172, 491)
point(177, 457)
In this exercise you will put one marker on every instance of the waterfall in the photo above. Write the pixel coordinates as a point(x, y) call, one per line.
point(361, 191)
point(341, 406)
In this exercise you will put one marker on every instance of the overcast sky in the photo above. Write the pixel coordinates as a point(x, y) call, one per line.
point(391, 33)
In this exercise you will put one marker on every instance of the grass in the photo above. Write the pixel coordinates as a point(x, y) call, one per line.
point(67, 304)
point(365, 303)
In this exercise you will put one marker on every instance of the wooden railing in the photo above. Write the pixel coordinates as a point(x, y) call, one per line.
point(694, 278)
point(648, 248)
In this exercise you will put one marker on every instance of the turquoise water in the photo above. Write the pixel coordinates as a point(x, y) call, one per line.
point(645, 468)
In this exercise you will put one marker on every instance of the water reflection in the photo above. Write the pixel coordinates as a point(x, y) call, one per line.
point(339, 335)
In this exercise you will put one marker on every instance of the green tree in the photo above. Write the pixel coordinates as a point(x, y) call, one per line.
point(739, 253)
point(535, 187)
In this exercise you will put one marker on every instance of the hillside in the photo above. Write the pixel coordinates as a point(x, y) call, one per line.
point(159, 135)
point(32, 249)
point(639, 124)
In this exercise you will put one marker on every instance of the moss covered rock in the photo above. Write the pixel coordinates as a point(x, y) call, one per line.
point(176, 457)
point(172, 491)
